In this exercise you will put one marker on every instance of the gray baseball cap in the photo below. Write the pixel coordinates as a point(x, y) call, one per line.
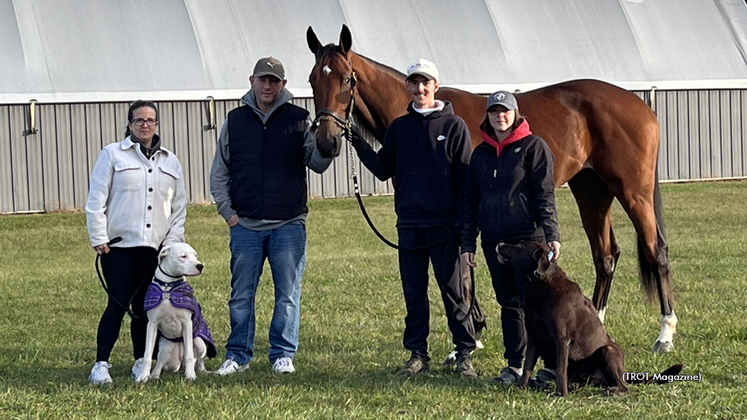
point(269, 66)
point(502, 98)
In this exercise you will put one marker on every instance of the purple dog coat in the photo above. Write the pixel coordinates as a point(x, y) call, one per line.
point(182, 296)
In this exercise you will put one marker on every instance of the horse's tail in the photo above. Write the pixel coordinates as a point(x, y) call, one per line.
point(649, 272)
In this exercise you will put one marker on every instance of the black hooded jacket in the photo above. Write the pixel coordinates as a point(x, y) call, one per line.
point(510, 196)
point(429, 156)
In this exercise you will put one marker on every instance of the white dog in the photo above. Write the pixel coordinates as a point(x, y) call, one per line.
point(175, 317)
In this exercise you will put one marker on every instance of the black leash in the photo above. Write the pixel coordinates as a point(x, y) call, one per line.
point(106, 289)
point(347, 126)
point(363, 208)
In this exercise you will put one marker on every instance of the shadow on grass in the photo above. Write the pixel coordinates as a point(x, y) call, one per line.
point(41, 380)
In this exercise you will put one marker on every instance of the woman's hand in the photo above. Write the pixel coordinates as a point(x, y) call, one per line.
point(555, 249)
point(101, 249)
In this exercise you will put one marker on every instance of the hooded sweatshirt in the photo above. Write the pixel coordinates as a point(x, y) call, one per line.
point(510, 192)
point(429, 155)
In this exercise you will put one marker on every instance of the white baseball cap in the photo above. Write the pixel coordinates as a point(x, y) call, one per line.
point(424, 68)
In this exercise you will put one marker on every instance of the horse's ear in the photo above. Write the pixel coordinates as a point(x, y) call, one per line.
point(312, 40)
point(537, 255)
point(346, 40)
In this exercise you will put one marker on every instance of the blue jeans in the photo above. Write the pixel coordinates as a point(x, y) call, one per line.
point(285, 247)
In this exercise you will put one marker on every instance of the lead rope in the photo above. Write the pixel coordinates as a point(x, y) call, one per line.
point(356, 187)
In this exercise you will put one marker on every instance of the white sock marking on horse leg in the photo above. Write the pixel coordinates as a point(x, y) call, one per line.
point(326, 70)
point(668, 328)
point(601, 313)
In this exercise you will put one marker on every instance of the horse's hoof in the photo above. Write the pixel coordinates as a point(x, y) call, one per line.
point(663, 346)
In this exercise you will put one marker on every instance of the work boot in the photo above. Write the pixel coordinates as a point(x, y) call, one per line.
point(464, 366)
point(415, 365)
point(451, 359)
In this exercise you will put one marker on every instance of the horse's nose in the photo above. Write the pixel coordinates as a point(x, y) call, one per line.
point(199, 267)
point(336, 141)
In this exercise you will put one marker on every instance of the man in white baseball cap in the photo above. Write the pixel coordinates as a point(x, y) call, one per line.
point(428, 150)
point(423, 67)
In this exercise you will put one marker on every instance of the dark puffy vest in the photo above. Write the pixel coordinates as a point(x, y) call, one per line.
point(268, 176)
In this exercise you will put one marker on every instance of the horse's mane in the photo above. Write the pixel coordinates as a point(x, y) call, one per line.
point(383, 67)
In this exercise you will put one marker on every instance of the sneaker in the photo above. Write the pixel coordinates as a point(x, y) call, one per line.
point(100, 373)
point(137, 368)
point(451, 359)
point(230, 367)
point(415, 365)
point(543, 379)
point(283, 365)
point(464, 367)
point(508, 375)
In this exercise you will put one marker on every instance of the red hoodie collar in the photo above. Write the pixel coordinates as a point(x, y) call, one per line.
point(519, 133)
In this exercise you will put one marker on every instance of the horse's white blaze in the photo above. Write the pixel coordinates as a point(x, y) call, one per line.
point(326, 70)
point(601, 313)
point(668, 328)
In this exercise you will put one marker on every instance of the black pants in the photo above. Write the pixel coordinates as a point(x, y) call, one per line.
point(510, 287)
point(125, 270)
point(413, 267)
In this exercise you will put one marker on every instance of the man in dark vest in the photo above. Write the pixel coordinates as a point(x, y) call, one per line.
point(258, 181)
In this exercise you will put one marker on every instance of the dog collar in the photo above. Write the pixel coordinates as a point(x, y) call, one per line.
point(533, 276)
point(167, 274)
point(168, 286)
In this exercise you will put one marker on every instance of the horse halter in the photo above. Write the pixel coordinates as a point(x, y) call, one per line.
point(344, 123)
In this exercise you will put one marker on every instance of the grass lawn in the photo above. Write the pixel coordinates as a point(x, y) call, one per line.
point(352, 322)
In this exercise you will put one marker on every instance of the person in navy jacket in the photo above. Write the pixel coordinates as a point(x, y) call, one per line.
point(510, 198)
point(428, 151)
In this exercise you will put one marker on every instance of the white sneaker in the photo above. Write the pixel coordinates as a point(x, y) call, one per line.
point(283, 365)
point(137, 368)
point(230, 367)
point(100, 374)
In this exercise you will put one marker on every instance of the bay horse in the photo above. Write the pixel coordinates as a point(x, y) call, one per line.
point(605, 141)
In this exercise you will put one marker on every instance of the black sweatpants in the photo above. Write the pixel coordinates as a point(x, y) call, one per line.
point(125, 270)
point(413, 267)
point(510, 287)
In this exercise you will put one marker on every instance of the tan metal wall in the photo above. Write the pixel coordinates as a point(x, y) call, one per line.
point(703, 136)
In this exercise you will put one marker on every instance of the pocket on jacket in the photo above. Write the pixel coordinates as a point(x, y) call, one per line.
point(167, 181)
point(127, 177)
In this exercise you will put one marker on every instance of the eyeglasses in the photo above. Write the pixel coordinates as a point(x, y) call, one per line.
point(140, 122)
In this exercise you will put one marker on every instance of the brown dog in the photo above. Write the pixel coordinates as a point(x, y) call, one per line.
point(558, 315)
